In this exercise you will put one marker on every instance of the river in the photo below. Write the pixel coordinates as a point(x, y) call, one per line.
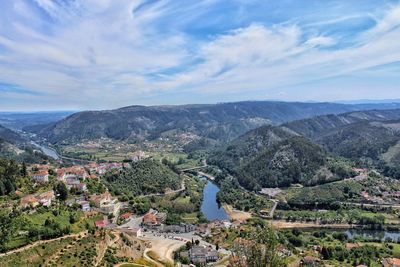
point(210, 208)
point(47, 151)
point(373, 234)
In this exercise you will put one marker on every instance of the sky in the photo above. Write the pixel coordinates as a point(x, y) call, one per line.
point(102, 54)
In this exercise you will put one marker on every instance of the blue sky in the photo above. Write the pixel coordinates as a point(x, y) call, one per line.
point(99, 54)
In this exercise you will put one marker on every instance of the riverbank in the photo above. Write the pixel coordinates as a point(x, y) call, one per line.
point(279, 224)
point(236, 215)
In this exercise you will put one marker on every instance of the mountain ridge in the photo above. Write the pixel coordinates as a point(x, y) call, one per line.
point(222, 122)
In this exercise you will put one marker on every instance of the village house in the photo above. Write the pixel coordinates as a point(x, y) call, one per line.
point(85, 205)
point(125, 216)
point(92, 167)
point(76, 184)
point(136, 232)
point(150, 220)
point(391, 262)
point(29, 201)
point(106, 203)
point(201, 255)
point(74, 172)
point(181, 228)
point(46, 198)
point(98, 200)
point(40, 167)
point(40, 176)
point(100, 224)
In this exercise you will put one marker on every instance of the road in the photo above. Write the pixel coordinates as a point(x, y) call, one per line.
point(183, 188)
point(272, 211)
point(394, 206)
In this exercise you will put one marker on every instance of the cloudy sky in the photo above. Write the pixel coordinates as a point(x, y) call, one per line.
point(96, 54)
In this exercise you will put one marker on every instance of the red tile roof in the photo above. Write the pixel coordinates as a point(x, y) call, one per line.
point(126, 216)
point(100, 224)
point(150, 218)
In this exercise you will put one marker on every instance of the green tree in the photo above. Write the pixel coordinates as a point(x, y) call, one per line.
point(24, 172)
point(61, 191)
point(5, 228)
point(260, 250)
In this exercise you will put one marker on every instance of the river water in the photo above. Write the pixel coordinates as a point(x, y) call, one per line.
point(210, 208)
point(373, 234)
point(47, 151)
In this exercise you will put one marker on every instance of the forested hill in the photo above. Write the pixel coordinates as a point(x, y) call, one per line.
point(10, 173)
point(316, 127)
point(10, 136)
point(272, 156)
point(15, 146)
point(144, 177)
point(361, 136)
point(220, 122)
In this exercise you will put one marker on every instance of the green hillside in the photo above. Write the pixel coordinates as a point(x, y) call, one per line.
point(144, 177)
point(275, 157)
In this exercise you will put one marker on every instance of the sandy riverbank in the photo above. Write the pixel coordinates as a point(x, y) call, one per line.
point(287, 225)
point(236, 215)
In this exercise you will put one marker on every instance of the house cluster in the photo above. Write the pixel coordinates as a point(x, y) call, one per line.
point(200, 255)
point(81, 201)
point(40, 173)
point(179, 229)
point(106, 204)
point(102, 168)
point(206, 229)
point(73, 177)
point(44, 199)
point(103, 203)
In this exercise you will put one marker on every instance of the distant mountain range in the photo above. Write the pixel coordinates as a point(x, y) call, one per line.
point(18, 120)
point(221, 122)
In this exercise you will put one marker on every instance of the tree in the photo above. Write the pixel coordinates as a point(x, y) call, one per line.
point(61, 191)
point(260, 249)
point(23, 170)
point(5, 228)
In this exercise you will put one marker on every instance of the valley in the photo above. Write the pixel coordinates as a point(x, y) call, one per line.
point(323, 189)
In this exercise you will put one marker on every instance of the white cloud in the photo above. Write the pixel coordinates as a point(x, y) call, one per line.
point(100, 53)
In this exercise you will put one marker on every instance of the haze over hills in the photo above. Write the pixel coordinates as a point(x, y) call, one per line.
point(18, 120)
point(220, 122)
point(10, 136)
